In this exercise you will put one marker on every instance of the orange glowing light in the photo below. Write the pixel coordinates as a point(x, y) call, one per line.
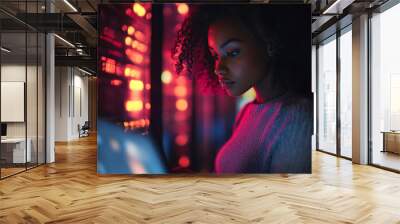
point(134, 105)
point(139, 35)
point(142, 48)
point(138, 58)
point(184, 161)
point(181, 105)
point(131, 30)
point(116, 82)
point(180, 91)
point(181, 139)
point(166, 77)
point(148, 86)
point(183, 8)
point(128, 41)
point(136, 85)
point(134, 56)
point(135, 44)
point(147, 106)
point(139, 9)
point(109, 65)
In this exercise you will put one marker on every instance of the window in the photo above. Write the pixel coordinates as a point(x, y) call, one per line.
point(327, 96)
point(385, 88)
point(346, 93)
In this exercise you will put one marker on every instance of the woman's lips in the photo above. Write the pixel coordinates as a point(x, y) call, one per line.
point(227, 82)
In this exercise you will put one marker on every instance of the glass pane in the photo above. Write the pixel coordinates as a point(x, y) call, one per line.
point(13, 86)
point(345, 94)
point(386, 89)
point(41, 99)
point(31, 97)
point(327, 96)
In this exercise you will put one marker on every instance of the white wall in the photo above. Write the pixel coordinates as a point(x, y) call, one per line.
point(314, 89)
point(16, 73)
point(71, 94)
point(33, 127)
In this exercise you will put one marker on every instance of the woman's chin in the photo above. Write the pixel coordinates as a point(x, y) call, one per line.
point(233, 92)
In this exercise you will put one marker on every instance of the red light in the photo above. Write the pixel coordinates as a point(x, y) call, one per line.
point(116, 82)
point(128, 12)
point(148, 16)
point(181, 139)
point(184, 161)
point(147, 106)
point(124, 27)
point(148, 86)
point(183, 8)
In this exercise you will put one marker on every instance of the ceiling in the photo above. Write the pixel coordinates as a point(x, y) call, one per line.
point(80, 27)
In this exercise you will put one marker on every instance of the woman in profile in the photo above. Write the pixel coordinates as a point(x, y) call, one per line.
point(238, 47)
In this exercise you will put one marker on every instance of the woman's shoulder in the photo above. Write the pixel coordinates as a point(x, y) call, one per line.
point(298, 104)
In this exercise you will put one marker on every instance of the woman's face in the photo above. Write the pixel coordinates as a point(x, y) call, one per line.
point(240, 59)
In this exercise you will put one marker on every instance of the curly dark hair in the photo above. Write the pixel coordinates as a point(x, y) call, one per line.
point(191, 51)
point(283, 31)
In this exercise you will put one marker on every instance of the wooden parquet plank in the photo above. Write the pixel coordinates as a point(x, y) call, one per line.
point(70, 191)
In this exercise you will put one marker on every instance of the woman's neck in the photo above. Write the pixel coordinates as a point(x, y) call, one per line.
point(266, 90)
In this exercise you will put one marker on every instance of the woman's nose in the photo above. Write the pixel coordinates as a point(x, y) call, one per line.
point(220, 68)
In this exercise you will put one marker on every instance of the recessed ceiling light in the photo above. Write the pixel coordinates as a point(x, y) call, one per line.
point(65, 41)
point(5, 50)
point(70, 5)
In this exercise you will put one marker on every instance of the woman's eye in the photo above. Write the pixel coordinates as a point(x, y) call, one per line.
point(233, 53)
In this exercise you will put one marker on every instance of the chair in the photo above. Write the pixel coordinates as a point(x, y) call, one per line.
point(84, 130)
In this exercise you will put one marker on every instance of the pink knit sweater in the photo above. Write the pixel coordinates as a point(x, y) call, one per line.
point(273, 137)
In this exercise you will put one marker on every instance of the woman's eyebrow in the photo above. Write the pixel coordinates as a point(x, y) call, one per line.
point(229, 41)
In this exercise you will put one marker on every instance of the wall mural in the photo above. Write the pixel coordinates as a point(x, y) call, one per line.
point(204, 88)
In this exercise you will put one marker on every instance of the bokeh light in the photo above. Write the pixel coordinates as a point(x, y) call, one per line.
point(181, 105)
point(134, 105)
point(182, 8)
point(166, 77)
point(139, 9)
point(131, 30)
point(181, 139)
point(136, 85)
point(184, 161)
point(180, 91)
point(128, 41)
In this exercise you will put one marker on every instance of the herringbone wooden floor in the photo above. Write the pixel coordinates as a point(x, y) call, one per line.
point(69, 191)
